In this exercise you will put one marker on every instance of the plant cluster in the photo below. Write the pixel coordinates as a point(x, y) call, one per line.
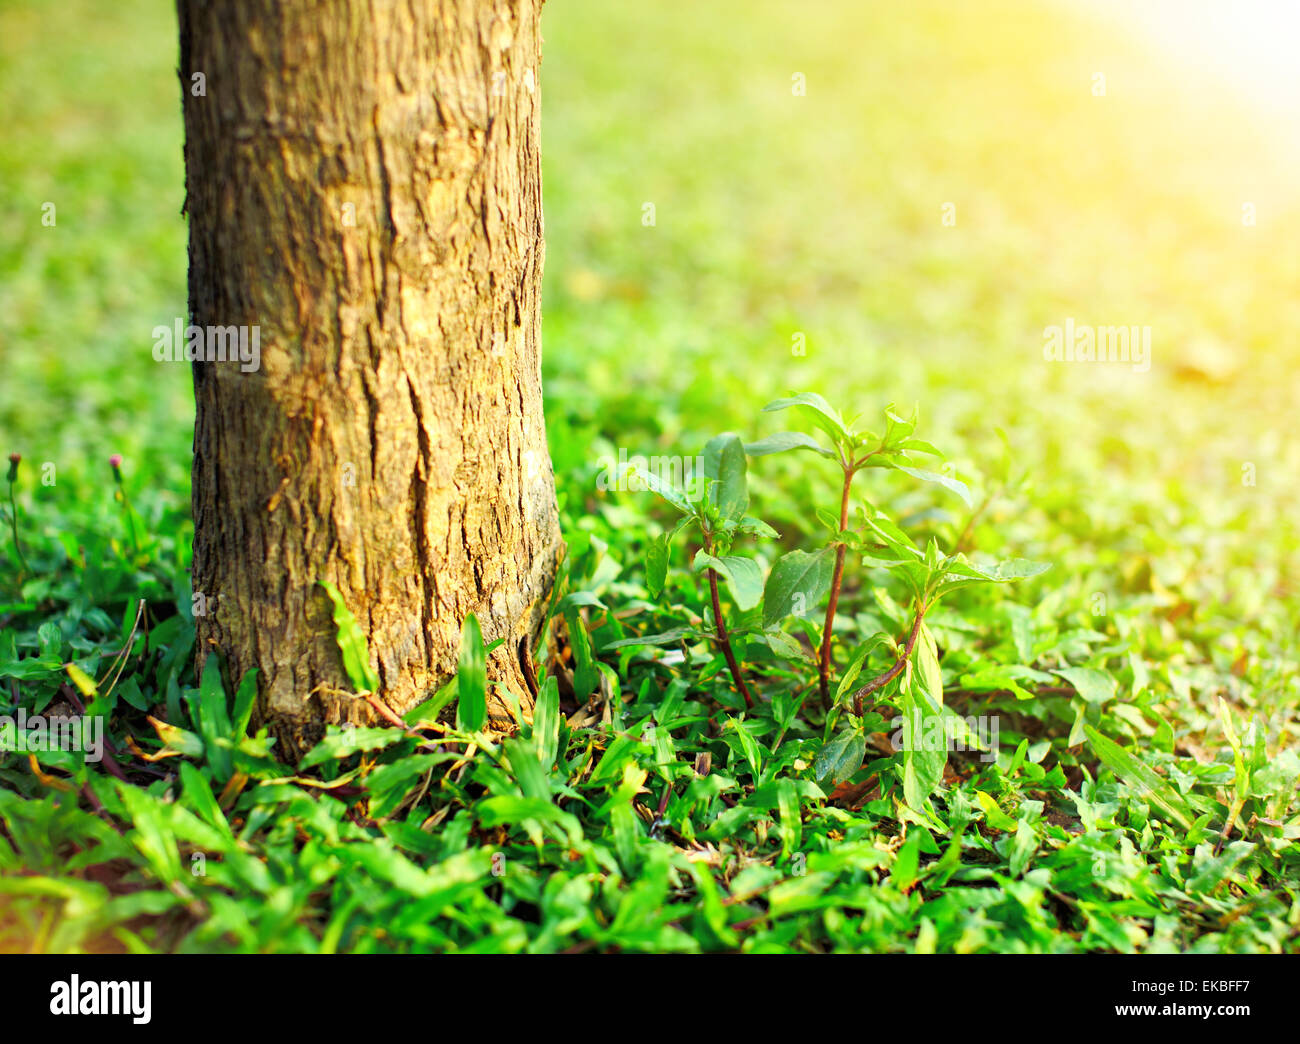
point(800, 579)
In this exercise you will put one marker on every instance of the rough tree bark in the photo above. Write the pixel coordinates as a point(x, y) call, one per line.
point(363, 185)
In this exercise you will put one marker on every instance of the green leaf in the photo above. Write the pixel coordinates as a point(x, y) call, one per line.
point(840, 757)
point(784, 645)
point(1023, 848)
point(1093, 685)
point(198, 796)
point(1241, 777)
point(428, 710)
point(1141, 778)
point(819, 412)
point(586, 676)
point(859, 660)
point(532, 776)
point(339, 743)
point(662, 489)
point(546, 722)
point(756, 527)
point(993, 815)
point(1210, 870)
point(748, 745)
point(787, 805)
point(924, 743)
point(946, 481)
point(390, 783)
point(214, 717)
point(927, 662)
point(151, 834)
point(894, 538)
point(509, 810)
point(744, 578)
point(998, 573)
point(471, 706)
point(352, 644)
point(786, 440)
point(663, 638)
point(245, 697)
point(724, 464)
point(656, 566)
point(907, 863)
point(50, 639)
point(797, 577)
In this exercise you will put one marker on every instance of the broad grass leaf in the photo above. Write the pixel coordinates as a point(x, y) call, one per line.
point(339, 743)
point(471, 706)
point(1141, 778)
point(662, 638)
point(214, 718)
point(245, 698)
point(546, 722)
point(352, 643)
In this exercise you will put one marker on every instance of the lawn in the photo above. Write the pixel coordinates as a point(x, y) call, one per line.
point(884, 205)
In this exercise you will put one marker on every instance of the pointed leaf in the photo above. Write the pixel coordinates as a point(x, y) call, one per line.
point(798, 576)
point(352, 643)
point(818, 410)
point(724, 464)
point(785, 440)
point(840, 757)
point(656, 566)
point(1141, 778)
point(946, 481)
point(471, 678)
point(744, 578)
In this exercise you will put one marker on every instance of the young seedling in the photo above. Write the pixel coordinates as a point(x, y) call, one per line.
point(852, 450)
point(929, 576)
point(718, 510)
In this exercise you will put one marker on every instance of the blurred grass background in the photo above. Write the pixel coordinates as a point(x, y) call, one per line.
point(776, 215)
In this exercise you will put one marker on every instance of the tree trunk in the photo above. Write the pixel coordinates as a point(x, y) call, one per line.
point(364, 193)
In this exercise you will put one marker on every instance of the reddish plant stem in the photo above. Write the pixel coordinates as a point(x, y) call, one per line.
point(881, 680)
point(824, 659)
point(724, 639)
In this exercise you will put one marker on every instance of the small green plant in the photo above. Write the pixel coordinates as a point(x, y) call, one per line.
point(852, 450)
point(719, 516)
point(800, 579)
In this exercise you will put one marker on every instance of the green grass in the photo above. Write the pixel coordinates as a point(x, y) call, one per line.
point(1172, 582)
